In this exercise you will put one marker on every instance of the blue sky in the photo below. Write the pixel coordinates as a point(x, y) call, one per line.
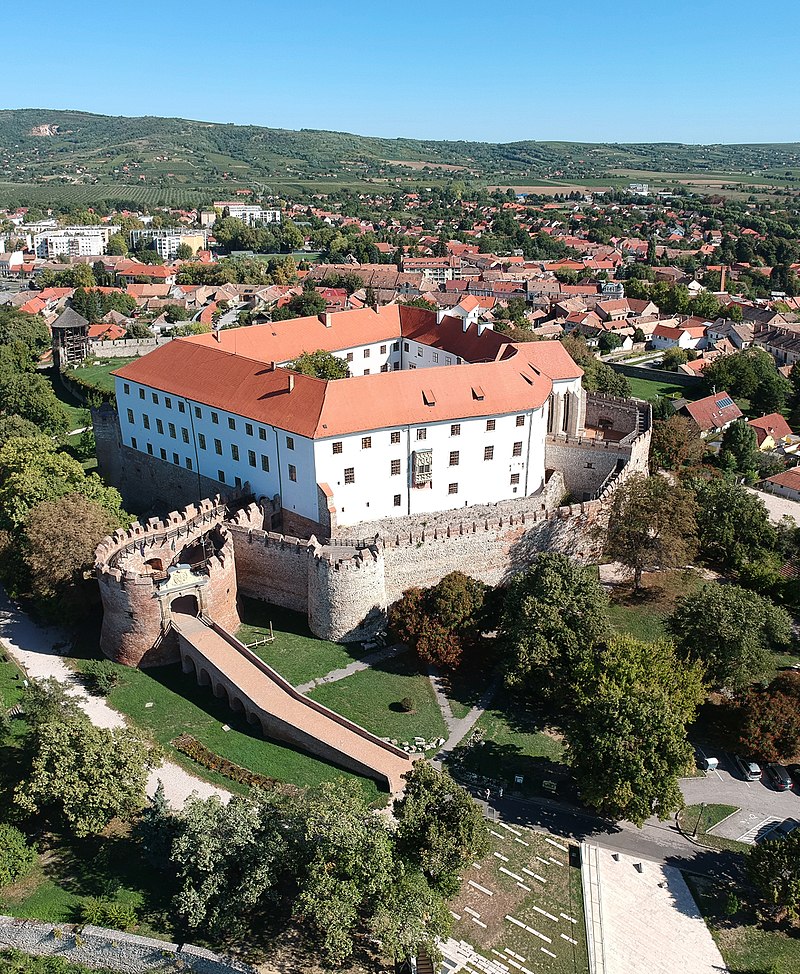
point(577, 70)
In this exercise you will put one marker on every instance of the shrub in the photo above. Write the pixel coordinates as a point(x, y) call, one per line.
point(108, 913)
point(101, 676)
point(407, 705)
point(16, 856)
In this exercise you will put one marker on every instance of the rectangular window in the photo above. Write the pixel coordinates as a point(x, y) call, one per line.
point(411, 365)
point(163, 453)
point(289, 442)
point(366, 442)
point(234, 451)
point(159, 426)
point(349, 356)
point(181, 407)
point(395, 436)
point(514, 478)
point(231, 423)
point(154, 397)
point(448, 361)
point(520, 420)
point(455, 429)
point(248, 428)
point(146, 421)
point(366, 353)
point(395, 468)
point(489, 425)
point(218, 447)
point(454, 458)
point(238, 481)
point(201, 440)
point(435, 356)
point(349, 475)
point(337, 446)
point(198, 412)
point(396, 367)
point(126, 388)
point(141, 393)
point(215, 419)
point(517, 451)
point(184, 434)
point(188, 463)
point(262, 433)
point(488, 453)
point(130, 415)
point(264, 463)
point(385, 368)
point(366, 371)
point(172, 432)
point(221, 476)
point(251, 457)
point(133, 442)
point(150, 448)
point(383, 349)
point(452, 488)
point(419, 352)
point(176, 459)
point(292, 473)
point(421, 434)
point(397, 500)
point(405, 345)
point(168, 402)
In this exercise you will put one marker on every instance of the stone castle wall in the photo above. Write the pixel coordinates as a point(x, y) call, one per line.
point(96, 947)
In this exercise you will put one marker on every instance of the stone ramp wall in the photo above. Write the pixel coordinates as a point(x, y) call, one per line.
point(96, 947)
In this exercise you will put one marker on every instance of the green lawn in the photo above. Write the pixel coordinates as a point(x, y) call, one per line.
point(513, 744)
point(556, 892)
point(703, 820)
point(372, 698)
point(746, 947)
point(109, 868)
point(11, 677)
point(642, 614)
point(15, 962)
point(180, 706)
point(76, 411)
point(296, 654)
point(99, 375)
point(653, 388)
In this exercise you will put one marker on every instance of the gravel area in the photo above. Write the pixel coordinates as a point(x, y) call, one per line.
point(36, 650)
point(778, 507)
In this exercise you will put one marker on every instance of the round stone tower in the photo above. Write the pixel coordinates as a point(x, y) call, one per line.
point(346, 592)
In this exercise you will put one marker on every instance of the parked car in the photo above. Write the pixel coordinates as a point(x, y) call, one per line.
point(749, 770)
point(794, 773)
point(778, 777)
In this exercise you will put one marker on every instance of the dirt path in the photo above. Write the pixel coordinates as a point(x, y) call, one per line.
point(38, 651)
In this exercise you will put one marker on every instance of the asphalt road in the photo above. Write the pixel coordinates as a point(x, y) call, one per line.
point(657, 841)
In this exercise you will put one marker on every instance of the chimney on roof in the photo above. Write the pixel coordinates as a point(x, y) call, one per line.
point(291, 382)
point(326, 318)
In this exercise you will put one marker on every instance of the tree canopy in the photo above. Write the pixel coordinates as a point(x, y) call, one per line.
point(320, 365)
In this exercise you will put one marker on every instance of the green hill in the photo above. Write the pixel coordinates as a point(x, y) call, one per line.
point(84, 157)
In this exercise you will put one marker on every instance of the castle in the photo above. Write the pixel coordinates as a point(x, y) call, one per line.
point(341, 494)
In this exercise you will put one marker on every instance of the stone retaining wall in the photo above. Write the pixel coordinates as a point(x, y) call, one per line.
point(96, 947)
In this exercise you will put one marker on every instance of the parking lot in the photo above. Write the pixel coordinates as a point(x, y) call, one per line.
point(761, 807)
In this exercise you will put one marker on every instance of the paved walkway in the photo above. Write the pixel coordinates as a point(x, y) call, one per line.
point(460, 728)
point(38, 651)
point(649, 919)
point(366, 663)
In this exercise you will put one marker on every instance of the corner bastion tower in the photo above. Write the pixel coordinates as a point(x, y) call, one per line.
point(447, 448)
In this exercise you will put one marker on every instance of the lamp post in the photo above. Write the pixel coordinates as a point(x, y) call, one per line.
point(697, 823)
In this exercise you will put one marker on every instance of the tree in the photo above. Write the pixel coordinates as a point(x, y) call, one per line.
point(651, 524)
point(310, 302)
point(675, 442)
point(87, 774)
point(774, 869)
point(733, 525)
point(411, 916)
point(16, 856)
point(321, 365)
point(627, 735)
point(28, 330)
point(61, 538)
point(440, 830)
point(176, 312)
point(184, 252)
point(673, 358)
point(551, 614)
point(117, 245)
point(731, 631)
point(610, 340)
point(739, 447)
point(138, 329)
point(770, 719)
point(32, 397)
